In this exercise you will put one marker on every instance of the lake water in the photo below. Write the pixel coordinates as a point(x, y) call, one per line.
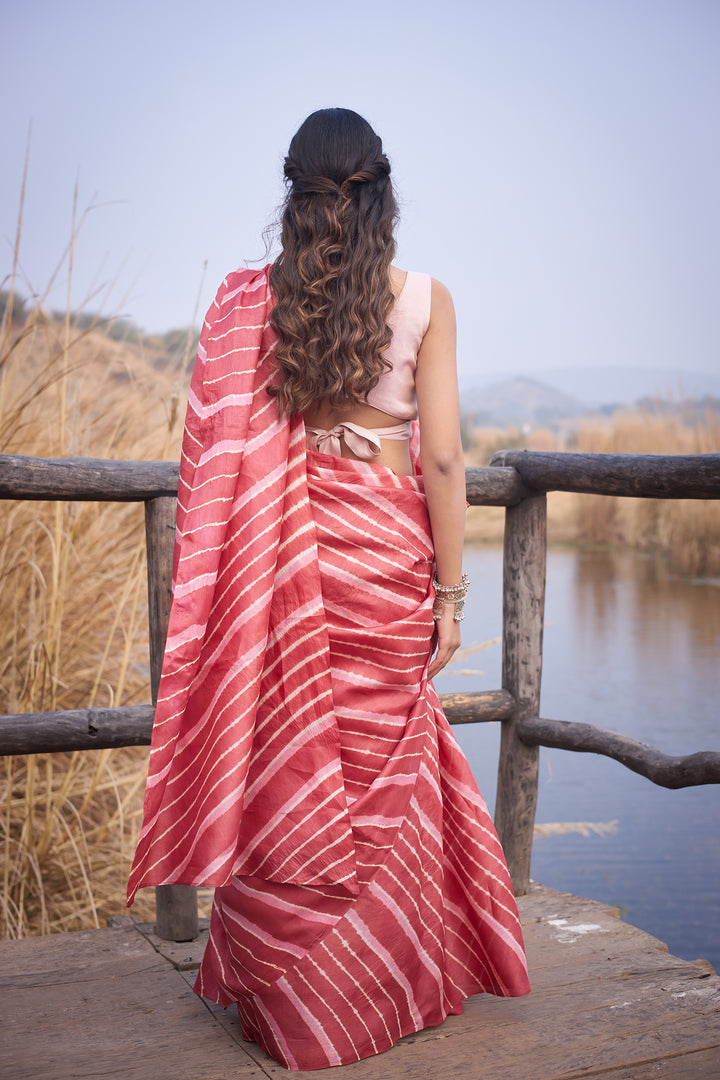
point(631, 647)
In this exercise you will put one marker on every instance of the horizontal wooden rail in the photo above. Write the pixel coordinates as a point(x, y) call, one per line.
point(131, 725)
point(478, 707)
point(75, 729)
point(512, 476)
point(485, 486)
point(86, 479)
point(645, 476)
point(100, 480)
point(663, 769)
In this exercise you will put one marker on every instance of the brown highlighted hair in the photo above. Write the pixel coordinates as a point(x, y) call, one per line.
point(331, 282)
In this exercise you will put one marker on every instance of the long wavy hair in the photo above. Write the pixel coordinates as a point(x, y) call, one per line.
point(331, 282)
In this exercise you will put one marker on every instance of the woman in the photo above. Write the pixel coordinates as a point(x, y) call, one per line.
point(301, 762)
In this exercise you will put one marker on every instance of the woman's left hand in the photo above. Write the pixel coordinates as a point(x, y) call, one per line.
point(448, 640)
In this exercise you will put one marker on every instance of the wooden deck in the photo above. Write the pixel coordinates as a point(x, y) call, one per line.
point(608, 1001)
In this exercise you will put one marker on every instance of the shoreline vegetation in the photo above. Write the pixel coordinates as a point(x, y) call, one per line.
point(73, 624)
point(685, 532)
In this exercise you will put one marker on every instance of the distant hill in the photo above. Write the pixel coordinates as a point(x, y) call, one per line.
point(607, 385)
point(519, 401)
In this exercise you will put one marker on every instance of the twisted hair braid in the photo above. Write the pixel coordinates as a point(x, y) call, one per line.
point(331, 282)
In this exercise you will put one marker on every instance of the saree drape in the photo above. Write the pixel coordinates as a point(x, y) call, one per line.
point(301, 761)
point(246, 687)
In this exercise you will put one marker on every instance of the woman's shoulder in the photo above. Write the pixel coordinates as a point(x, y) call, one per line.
point(412, 291)
point(402, 280)
point(431, 308)
point(421, 297)
point(441, 297)
point(418, 282)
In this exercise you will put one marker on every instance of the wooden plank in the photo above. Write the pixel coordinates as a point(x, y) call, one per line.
point(697, 1065)
point(670, 771)
point(32, 961)
point(183, 955)
point(523, 608)
point(104, 1004)
point(608, 1001)
point(86, 479)
point(644, 476)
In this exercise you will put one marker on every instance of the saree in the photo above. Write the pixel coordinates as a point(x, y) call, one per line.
point(301, 762)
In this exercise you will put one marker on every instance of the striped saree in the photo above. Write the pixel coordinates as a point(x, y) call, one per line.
point(301, 762)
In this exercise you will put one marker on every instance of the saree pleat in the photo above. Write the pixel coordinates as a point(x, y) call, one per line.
point(321, 978)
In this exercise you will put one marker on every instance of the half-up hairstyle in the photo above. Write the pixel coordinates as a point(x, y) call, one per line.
point(331, 282)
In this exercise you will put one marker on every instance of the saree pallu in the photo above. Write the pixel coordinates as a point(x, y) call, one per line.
point(322, 978)
point(246, 687)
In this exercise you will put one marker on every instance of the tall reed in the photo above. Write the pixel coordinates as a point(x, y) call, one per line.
point(685, 531)
point(73, 616)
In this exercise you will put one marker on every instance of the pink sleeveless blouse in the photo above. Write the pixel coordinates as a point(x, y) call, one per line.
point(408, 320)
point(395, 391)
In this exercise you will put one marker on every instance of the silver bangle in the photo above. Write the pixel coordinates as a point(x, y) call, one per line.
point(450, 594)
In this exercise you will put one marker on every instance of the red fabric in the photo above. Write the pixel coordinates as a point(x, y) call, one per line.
point(300, 759)
point(322, 978)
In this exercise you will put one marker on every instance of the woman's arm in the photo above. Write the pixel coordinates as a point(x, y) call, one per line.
point(442, 458)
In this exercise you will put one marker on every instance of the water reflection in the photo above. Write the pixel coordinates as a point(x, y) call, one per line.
point(628, 646)
point(667, 612)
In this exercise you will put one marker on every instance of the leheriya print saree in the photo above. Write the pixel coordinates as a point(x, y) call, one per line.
point(301, 762)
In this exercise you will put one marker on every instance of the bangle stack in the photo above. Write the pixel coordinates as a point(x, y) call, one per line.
point(450, 594)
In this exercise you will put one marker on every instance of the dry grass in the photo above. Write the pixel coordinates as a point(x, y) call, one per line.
point(686, 531)
point(73, 617)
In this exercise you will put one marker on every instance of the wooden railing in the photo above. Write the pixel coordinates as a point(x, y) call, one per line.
point(517, 480)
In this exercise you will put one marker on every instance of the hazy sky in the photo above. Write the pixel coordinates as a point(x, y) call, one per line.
point(557, 161)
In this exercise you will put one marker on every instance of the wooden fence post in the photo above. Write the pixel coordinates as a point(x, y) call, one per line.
point(176, 917)
point(523, 610)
